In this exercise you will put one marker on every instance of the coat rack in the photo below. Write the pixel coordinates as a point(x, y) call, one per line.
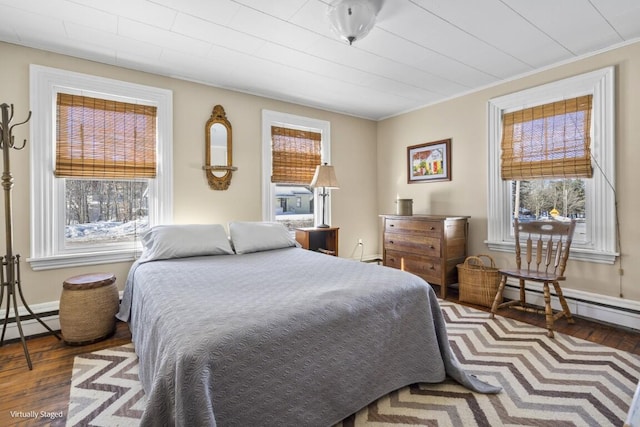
point(10, 271)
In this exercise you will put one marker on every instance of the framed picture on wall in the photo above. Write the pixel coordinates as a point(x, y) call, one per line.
point(429, 162)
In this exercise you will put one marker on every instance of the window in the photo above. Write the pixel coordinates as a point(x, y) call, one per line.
point(533, 181)
point(546, 150)
point(104, 212)
point(98, 140)
point(292, 148)
point(100, 167)
point(550, 198)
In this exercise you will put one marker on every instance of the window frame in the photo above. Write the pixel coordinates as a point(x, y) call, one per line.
point(601, 243)
point(275, 118)
point(47, 216)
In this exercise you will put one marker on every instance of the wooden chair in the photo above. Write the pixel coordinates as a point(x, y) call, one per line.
point(547, 245)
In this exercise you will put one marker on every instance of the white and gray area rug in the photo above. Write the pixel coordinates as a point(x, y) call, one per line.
point(556, 382)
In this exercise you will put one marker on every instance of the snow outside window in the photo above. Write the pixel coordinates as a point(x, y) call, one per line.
point(83, 221)
point(596, 239)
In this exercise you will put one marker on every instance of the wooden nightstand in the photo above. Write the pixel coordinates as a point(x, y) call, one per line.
point(323, 240)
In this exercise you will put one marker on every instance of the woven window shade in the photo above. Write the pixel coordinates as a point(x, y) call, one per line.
point(548, 141)
point(295, 155)
point(98, 138)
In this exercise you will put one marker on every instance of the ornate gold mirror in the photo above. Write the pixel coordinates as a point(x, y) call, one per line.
point(218, 142)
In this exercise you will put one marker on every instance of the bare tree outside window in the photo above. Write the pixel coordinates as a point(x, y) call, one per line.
point(544, 198)
point(105, 211)
point(552, 199)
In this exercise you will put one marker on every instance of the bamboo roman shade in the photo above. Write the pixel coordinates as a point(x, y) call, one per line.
point(295, 155)
point(548, 141)
point(98, 138)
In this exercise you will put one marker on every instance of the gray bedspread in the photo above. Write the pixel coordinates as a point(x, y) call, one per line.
point(285, 337)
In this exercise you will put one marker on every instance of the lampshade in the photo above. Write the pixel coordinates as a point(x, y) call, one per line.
point(325, 177)
point(351, 20)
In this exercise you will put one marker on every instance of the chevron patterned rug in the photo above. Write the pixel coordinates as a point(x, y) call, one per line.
point(547, 382)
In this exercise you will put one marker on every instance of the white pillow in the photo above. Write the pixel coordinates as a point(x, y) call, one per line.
point(259, 236)
point(185, 240)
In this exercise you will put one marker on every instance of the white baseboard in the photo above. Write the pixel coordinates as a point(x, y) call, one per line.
point(369, 258)
point(32, 326)
point(616, 311)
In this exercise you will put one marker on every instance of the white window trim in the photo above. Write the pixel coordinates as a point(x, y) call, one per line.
point(601, 242)
point(275, 118)
point(47, 209)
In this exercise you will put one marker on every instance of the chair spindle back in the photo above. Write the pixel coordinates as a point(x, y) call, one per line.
point(547, 245)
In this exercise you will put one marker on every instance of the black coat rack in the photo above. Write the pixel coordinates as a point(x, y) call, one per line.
point(10, 272)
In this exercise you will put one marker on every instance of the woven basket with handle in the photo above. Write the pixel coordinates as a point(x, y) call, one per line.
point(478, 281)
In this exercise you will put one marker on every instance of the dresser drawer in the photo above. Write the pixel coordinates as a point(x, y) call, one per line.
point(411, 226)
point(413, 243)
point(425, 267)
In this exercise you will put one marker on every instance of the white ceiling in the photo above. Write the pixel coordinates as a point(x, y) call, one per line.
point(420, 51)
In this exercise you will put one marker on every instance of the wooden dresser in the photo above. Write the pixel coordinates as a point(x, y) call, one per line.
point(429, 246)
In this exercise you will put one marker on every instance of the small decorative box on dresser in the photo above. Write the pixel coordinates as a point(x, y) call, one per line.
point(429, 246)
point(319, 239)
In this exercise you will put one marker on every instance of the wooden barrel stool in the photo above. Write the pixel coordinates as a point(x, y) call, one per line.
point(88, 306)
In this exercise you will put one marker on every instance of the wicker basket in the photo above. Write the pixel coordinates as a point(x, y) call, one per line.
point(478, 283)
point(88, 306)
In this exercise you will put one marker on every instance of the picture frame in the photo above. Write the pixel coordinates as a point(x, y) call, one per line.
point(429, 162)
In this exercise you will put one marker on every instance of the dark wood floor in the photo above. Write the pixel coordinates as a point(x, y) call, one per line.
point(46, 387)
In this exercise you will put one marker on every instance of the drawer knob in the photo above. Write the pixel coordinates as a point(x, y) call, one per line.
point(391, 225)
point(432, 228)
point(391, 241)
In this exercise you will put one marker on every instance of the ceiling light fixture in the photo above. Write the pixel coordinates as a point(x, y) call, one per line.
point(351, 20)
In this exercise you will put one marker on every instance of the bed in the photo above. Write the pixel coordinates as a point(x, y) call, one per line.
point(272, 334)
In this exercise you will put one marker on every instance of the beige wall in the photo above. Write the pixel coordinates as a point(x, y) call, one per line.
point(372, 175)
point(465, 120)
point(353, 154)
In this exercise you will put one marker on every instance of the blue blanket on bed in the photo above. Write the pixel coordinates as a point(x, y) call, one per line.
point(286, 337)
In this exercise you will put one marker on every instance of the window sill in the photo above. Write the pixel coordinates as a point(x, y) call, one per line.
point(578, 254)
point(83, 259)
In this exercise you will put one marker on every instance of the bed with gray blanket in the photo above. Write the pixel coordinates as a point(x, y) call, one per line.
point(281, 336)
